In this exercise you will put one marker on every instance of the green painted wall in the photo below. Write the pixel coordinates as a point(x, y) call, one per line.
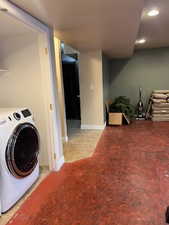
point(148, 69)
point(106, 68)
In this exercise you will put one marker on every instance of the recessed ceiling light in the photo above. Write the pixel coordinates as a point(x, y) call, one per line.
point(153, 12)
point(141, 41)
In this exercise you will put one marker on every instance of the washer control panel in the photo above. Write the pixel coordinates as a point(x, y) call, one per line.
point(18, 115)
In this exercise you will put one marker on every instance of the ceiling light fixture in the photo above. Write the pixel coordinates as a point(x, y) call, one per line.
point(141, 41)
point(153, 12)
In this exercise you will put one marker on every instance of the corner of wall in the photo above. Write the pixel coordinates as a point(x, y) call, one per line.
point(91, 88)
point(59, 163)
point(60, 88)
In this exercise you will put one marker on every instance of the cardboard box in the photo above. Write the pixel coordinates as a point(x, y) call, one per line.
point(115, 118)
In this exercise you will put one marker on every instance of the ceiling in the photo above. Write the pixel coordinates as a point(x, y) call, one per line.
point(12, 27)
point(155, 29)
point(110, 25)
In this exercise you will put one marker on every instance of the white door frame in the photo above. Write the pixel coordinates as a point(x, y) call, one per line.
point(55, 149)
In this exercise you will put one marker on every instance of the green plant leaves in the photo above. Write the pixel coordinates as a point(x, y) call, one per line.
point(122, 104)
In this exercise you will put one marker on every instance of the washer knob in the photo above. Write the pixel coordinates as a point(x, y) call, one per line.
point(17, 116)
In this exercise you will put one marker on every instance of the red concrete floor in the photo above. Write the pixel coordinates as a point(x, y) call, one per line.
point(125, 182)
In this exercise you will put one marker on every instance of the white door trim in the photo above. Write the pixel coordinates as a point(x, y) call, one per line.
point(56, 159)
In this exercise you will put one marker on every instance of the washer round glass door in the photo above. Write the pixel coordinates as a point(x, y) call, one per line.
point(22, 150)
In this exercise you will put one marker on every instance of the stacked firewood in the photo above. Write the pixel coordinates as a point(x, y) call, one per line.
point(160, 105)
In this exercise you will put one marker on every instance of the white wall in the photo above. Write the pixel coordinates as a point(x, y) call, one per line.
point(91, 89)
point(21, 86)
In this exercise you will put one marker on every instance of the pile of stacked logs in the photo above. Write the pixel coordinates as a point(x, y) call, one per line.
point(160, 105)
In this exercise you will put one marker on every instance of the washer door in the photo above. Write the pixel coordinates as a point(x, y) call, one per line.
point(22, 150)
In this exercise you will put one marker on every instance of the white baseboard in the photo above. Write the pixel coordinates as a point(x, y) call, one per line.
point(65, 139)
point(93, 127)
point(59, 163)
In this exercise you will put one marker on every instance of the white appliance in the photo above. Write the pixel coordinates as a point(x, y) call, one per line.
point(19, 150)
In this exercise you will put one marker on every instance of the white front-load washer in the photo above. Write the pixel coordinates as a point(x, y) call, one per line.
point(19, 150)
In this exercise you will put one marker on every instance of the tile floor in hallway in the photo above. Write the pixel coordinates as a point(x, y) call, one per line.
point(81, 144)
point(125, 182)
point(4, 218)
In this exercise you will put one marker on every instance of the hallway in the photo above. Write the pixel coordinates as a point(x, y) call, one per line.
point(81, 143)
point(125, 182)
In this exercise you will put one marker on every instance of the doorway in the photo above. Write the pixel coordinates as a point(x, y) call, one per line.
point(70, 69)
point(27, 61)
point(27, 81)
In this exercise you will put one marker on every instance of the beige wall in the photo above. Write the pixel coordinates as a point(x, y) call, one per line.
point(21, 86)
point(60, 88)
point(91, 89)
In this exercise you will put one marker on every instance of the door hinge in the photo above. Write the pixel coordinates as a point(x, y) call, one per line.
point(46, 51)
point(51, 107)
